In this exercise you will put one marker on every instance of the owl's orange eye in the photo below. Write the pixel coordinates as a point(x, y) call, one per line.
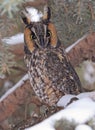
point(33, 36)
point(48, 33)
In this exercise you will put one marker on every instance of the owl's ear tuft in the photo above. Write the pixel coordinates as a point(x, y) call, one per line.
point(24, 17)
point(47, 13)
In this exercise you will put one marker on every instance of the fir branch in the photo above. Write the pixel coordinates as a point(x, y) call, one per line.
point(6, 59)
point(10, 6)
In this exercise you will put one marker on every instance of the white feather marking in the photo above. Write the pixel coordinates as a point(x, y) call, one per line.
point(34, 14)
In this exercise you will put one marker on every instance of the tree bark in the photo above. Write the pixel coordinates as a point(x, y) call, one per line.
point(83, 50)
point(36, 3)
point(16, 98)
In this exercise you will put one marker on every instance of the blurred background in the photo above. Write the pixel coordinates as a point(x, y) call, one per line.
point(73, 19)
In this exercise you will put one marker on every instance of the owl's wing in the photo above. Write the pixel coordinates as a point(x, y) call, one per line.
point(75, 76)
point(62, 74)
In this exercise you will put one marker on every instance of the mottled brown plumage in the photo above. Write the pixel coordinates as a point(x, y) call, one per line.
point(50, 72)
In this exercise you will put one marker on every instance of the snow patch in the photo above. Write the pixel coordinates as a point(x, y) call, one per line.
point(42, 126)
point(80, 111)
point(16, 39)
point(7, 84)
point(65, 100)
point(87, 94)
point(2, 76)
point(34, 14)
point(89, 74)
point(83, 127)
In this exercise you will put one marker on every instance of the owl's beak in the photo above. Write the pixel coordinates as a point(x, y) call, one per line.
point(42, 43)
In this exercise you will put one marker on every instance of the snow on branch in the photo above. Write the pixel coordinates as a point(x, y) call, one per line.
point(16, 39)
point(74, 44)
point(10, 91)
point(78, 112)
point(14, 97)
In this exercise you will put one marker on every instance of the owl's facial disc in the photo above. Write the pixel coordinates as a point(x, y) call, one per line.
point(40, 35)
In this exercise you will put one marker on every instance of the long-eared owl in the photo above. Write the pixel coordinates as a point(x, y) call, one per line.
point(50, 71)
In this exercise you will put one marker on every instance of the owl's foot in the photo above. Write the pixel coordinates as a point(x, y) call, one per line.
point(49, 110)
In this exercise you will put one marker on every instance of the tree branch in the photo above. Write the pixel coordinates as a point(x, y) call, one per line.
point(83, 49)
point(15, 97)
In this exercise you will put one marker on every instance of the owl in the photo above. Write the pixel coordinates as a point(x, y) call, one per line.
point(50, 72)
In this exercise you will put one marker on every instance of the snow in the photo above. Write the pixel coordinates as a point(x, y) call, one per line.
point(21, 82)
point(2, 76)
point(7, 84)
point(34, 14)
point(16, 39)
point(83, 127)
point(43, 126)
point(89, 72)
point(79, 111)
point(87, 94)
point(65, 100)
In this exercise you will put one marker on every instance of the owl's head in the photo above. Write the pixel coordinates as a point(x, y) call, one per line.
point(39, 31)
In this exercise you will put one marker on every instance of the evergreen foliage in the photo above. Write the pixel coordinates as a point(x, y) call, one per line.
point(10, 6)
point(73, 18)
point(6, 59)
point(64, 124)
